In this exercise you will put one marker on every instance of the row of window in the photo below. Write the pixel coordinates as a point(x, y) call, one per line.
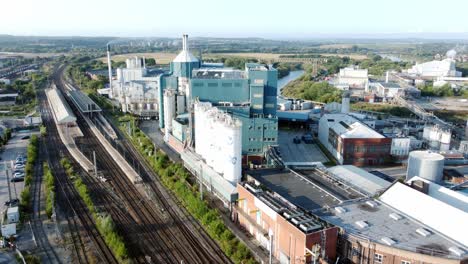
point(366, 148)
point(260, 127)
point(264, 139)
point(378, 259)
point(254, 150)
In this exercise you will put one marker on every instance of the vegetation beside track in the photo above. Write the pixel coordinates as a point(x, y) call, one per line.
point(104, 222)
point(25, 197)
point(174, 177)
point(49, 181)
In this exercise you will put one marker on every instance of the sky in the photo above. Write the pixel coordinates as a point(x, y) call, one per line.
point(234, 18)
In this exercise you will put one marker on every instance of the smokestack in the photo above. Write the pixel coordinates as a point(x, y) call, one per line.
point(109, 66)
point(345, 103)
point(184, 42)
point(386, 78)
point(144, 62)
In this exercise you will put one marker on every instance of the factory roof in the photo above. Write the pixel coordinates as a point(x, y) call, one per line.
point(185, 56)
point(308, 189)
point(297, 217)
point(378, 222)
point(435, 213)
point(349, 127)
point(456, 199)
point(361, 179)
point(390, 85)
point(60, 107)
point(218, 73)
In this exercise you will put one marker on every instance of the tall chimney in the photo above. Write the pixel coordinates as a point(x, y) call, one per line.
point(109, 67)
point(185, 46)
point(386, 77)
point(144, 62)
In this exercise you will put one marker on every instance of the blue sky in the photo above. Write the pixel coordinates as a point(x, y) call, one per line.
point(234, 18)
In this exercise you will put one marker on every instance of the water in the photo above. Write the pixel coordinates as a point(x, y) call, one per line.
point(293, 75)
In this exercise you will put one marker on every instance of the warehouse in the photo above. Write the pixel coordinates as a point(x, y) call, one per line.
point(375, 232)
point(352, 142)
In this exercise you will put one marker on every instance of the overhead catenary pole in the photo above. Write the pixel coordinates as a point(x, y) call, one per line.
point(95, 164)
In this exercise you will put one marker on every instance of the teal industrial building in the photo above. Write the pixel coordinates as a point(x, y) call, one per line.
point(249, 95)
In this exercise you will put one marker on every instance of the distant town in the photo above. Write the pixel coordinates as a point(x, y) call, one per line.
point(211, 150)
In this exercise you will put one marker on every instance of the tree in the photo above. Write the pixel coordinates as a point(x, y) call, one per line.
point(150, 62)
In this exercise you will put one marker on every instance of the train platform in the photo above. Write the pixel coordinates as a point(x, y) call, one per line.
point(131, 174)
point(67, 132)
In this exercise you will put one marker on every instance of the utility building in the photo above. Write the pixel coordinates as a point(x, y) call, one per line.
point(352, 142)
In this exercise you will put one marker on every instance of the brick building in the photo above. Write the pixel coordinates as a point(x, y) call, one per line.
point(296, 236)
point(352, 142)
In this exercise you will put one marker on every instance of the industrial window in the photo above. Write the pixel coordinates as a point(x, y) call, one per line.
point(378, 258)
point(212, 84)
point(197, 84)
point(237, 84)
point(226, 84)
point(405, 262)
point(258, 95)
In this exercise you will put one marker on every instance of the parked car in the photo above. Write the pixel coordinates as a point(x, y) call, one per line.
point(19, 166)
point(18, 174)
point(12, 202)
point(17, 179)
point(25, 137)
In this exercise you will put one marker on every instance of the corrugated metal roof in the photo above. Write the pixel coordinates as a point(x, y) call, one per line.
point(60, 107)
point(360, 178)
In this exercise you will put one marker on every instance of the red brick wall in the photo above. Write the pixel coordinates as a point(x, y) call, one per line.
point(289, 239)
point(369, 156)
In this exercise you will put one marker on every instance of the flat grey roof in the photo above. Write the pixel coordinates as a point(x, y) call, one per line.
point(380, 225)
point(305, 188)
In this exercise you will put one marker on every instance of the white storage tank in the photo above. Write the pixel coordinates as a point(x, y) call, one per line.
point(169, 111)
point(425, 164)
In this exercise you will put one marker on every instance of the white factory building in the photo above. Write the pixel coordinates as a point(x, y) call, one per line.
point(435, 69)
point(352, 77)
point(135, 89)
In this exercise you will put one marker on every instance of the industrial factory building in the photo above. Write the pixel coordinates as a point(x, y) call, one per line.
point(298, 210)
point(435, 69)
point(352, 77)
point(136, 88)
point(352, 142)
point(292, 234)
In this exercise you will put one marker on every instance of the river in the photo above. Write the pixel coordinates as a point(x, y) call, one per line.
point(293, 75)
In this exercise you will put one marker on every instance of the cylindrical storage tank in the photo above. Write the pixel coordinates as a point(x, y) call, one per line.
point(425, 164)
point(426, 132)
point(233, 151)
point(140, 106)
point(169, 111)
point(148, 106)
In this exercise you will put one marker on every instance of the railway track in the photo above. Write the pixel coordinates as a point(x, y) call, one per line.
point(42, 241)
point(163, 233)
point(80, 222)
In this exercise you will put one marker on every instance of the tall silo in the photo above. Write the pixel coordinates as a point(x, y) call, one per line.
point(425, 164)
point(169, 111)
